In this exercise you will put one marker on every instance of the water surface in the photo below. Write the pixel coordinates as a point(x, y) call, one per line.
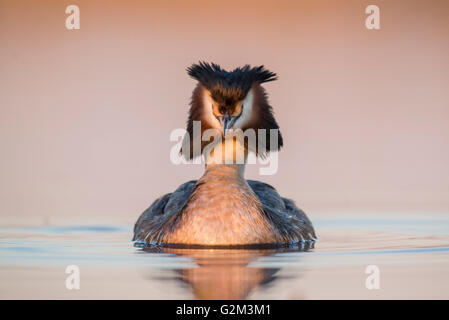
point(412, 255)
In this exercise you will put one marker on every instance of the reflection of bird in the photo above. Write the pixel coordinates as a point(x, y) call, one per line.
point(222, 208)
point(229, 273)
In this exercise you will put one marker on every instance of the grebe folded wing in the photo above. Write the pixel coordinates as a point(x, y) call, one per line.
point(289, 220)
point(162, 210)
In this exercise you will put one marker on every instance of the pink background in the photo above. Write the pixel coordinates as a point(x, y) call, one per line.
point(85, 115)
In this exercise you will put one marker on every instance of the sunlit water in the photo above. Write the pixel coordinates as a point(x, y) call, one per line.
point(412, 256)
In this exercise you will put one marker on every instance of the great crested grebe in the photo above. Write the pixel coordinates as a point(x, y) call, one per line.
point(222, 208)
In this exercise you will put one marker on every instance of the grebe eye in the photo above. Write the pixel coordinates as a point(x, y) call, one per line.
point(222, 110)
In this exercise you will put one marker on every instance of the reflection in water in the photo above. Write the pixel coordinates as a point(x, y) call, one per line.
point(33, 262)
point(225, 273)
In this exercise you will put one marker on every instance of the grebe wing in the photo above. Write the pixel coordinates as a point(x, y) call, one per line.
point(289, 220)
point(162, 209)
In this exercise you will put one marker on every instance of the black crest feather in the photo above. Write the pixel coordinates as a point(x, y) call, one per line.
point(212, 76)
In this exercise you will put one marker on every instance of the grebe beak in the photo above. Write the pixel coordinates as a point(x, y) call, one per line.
point(226, 123)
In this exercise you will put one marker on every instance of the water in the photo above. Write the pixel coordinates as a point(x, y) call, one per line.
point(412, 255)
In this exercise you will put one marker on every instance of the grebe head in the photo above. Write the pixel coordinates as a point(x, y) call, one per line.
point(225, 100)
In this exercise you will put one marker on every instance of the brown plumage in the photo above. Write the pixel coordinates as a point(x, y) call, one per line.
point(222, 208)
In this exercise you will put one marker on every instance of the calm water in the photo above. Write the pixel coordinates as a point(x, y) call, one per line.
point(412, 255)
